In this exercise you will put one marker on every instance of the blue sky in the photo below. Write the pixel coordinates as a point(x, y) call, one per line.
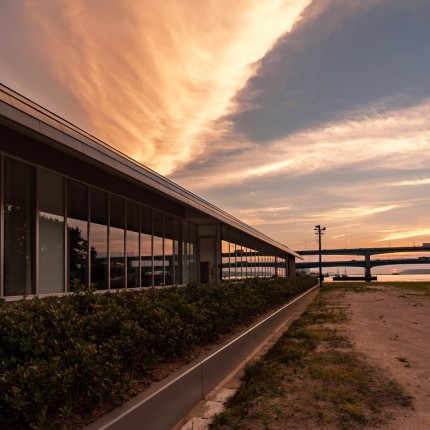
point(287, 114)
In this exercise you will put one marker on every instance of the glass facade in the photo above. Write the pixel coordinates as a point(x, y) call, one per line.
point(58, 231)
point(50, 198)
point(99, 217)
point(19, 207)
point(132, 241)
point(117, 242)
point(77, 233)
point(245, 257)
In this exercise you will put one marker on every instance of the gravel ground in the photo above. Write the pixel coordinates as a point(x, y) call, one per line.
point(392, 329)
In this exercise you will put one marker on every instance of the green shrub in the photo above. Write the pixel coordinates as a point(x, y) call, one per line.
point(60, 357)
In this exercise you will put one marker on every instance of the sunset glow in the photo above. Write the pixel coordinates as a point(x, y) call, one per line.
point(151, 79)
point(285, 113)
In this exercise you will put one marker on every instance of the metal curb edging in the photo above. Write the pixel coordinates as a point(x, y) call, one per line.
point(162, 409)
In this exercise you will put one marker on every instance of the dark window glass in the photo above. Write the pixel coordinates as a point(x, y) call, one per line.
point(168, 250)
point(146, 246)
point(98, 239)
point(19, 226)
point(51, 232)
point(158, 248)
point(116, 242)
point(132, 241)
point(193, 252)
point(185, 252)
point(225, 260)
point(77, 232)
point(177, 248)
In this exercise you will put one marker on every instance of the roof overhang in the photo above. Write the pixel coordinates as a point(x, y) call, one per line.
point(29, 118)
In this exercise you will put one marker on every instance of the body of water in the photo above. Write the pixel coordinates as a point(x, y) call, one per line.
point(394, 278)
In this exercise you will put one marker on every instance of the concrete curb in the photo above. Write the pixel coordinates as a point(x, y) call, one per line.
point(165, 403)
point(203, 414)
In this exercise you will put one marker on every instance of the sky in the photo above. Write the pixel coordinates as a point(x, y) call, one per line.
point(284, 113)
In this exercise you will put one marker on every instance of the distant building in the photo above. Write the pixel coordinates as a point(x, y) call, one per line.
point(73, 207)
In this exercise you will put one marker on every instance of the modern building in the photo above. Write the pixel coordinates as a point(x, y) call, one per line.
point(73, 207)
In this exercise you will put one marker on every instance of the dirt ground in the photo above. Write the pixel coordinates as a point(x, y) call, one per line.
point(392, 329)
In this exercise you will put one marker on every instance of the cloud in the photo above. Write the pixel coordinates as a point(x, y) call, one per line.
point(287, 216)
point(399, 138)
point(152, 77)
point(411, 183)
point(421, 232)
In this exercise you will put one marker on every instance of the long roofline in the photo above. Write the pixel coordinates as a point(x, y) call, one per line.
point(18, 109)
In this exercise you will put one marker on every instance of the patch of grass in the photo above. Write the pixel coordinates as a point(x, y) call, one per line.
point(361, 287)
point(311, 378)
point(357, 286)
point(415, 287)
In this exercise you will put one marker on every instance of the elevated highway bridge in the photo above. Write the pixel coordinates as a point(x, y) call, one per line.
point(367, 263)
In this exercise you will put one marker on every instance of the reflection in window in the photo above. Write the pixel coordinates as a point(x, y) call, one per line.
point(158, 248)
point(193, 252)
point(239, 261)
point(132, 241)
point(257, 263)
point(51, 232)
point(186, 252)
point(146, 246)
point(19, 210)
point(225, 260)
point(116, 242)
point(77, 232)
point(98, 239)
point(263, 261)
point(250, 262)
point(247, 267)
point(168, 250)
point(232, 260)
point(177, 257)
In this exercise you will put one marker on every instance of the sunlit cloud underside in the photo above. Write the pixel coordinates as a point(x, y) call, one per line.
point(398, 138)
point(153, 77)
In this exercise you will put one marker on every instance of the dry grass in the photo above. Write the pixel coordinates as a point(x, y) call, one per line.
point(312, 378)
point(407, 287)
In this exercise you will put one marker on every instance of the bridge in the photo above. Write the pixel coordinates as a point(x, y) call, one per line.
point(367, 263)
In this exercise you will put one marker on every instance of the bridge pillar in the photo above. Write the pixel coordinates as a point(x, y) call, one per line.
point(367, 267)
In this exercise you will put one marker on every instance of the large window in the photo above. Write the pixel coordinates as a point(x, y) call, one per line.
point(168, 251)
point(225, 259)
point(177, 257)
point(77, 232)
point(116, 242)
point(146, 247)
point(193, 252)
point(186, 252)
point(50, 192)
point(132, 241)
point(98, 239)
point(158, 248)
point(19, 228)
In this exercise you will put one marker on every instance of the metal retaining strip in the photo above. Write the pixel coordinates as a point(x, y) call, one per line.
point(162, 409)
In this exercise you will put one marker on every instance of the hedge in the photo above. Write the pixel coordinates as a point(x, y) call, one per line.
point(61, 357)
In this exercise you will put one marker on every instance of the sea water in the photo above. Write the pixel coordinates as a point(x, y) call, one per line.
point(406, 277)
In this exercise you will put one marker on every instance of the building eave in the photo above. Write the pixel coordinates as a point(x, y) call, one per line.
point(30, 118)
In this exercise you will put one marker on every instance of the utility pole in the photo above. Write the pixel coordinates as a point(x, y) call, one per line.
point(319, 232)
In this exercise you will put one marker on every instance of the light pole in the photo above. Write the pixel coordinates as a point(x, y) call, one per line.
point(319, 231)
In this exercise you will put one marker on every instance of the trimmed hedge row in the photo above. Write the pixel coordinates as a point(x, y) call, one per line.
point(61, 357)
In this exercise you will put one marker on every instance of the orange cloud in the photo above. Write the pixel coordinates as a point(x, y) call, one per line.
point(154, 76)
point(406, 234)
